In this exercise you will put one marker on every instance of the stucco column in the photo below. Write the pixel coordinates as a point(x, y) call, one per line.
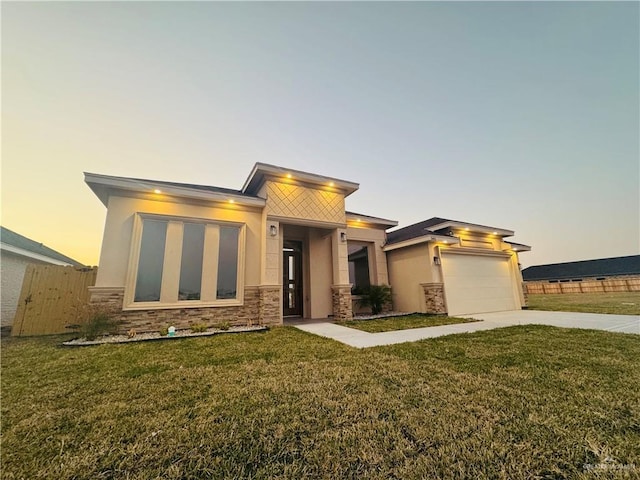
point(270, 272)
point(270, 289)
point(339, 256)
point(341, 288)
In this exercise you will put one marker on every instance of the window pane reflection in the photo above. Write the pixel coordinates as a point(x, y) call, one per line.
point(149, 281)
point(228, 262)
point(191, 264)
point(358, 268)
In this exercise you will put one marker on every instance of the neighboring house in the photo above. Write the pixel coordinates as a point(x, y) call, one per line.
point(600, 269)
point(283, 245)
point(16, 252)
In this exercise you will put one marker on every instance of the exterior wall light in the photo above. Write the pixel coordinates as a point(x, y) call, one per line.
point(436, 260)
point(273, 230)
point(343, 236)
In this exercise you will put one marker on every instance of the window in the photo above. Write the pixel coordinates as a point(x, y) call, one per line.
point(359, 275)
point(191, 264)
point(227, 263)
point(185, 262)
point(150, 263)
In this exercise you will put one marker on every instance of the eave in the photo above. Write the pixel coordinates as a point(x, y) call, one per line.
point(472, 227)
point(358, 220)
point(32, 255)
point(264, 171)
point(431, 237)
point(104, 186)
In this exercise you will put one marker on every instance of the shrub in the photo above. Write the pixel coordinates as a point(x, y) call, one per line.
point(164, 331)
point(224, 326)
point(375, 296)
point(100, 321)
point(199, 328)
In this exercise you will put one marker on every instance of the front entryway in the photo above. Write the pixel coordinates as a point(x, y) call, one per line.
point(292, 278)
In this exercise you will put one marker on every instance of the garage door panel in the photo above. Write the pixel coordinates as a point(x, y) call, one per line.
point(475, 284)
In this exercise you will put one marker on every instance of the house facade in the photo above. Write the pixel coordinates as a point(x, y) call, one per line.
point(283, 245)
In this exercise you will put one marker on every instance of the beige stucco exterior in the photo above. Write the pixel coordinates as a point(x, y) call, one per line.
point(414, 270)
point(276, 210)
point(116, 255)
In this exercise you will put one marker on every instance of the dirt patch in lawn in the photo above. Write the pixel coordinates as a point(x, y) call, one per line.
point(405, 322)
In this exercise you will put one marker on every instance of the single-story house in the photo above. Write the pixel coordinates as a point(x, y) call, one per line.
point(16, 252)
point(599, 269)
point(282, 245)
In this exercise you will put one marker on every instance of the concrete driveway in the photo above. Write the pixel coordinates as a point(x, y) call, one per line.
point(357, 338)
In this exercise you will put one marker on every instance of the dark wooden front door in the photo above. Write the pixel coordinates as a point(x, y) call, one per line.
point(292, 278)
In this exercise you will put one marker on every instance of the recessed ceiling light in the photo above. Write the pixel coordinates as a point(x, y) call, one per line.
point(157, 191)
point(466, 228)
point(231, 200)
point(331, 184)
point(288, 175)
point(495, 233)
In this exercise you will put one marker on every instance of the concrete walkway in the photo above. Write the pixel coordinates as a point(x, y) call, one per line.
point(489, 321)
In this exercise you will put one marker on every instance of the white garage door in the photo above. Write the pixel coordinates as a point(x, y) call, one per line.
point(475, 284)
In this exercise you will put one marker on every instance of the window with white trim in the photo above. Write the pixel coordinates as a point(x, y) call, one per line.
point(182, 262)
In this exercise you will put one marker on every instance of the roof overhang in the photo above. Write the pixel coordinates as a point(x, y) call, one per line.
point(519, 247)
point(105, 185)
point(263, 171)
point(472, 227)
point(431, 237)
point(358, 220)
point(32, 255)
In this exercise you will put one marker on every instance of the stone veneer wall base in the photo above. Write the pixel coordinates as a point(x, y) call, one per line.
point(261, 307)
point(342, 304)
point(434, 298)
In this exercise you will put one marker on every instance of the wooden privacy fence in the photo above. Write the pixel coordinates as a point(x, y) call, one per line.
point(631, 284)
point(51, 298)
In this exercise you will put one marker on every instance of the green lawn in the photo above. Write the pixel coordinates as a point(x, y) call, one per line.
point(389, 324)
point(623, 303)
point(514, 403)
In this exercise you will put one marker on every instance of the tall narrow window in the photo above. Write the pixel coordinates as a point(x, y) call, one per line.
point(358, 267)
point(149, 281)
point(228, 263)
point(191, 263)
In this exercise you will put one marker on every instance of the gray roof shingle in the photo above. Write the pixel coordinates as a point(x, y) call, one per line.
point(14, 239)
point(413, 231)
point(603, 267)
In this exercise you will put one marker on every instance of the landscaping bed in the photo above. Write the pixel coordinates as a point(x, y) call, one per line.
point(142, 337)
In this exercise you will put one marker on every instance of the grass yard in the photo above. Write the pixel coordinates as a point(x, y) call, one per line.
point(622, 303)
point(389, 324)
point(514, 403)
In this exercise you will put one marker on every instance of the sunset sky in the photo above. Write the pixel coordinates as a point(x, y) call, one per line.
point(516, 115)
